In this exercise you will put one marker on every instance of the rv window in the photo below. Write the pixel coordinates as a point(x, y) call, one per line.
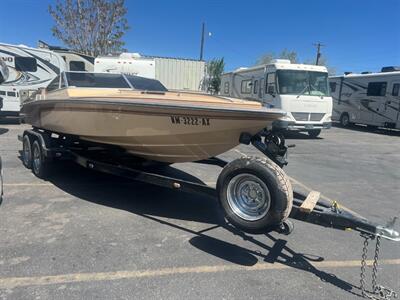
point(54, 84)
point(376, 89)
point(2, 93)
point(246, 87)
point(75, 65)
point(25, 64)
point(332, 86)
point(11, 94)
point(396, 88)
point(270, 86)
point(226, 88)
point(255, 87)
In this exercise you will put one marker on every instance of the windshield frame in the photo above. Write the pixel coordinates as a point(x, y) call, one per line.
point(141, 83)
point(308, 91)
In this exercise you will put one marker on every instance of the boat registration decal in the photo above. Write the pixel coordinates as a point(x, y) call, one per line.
point(190, 121)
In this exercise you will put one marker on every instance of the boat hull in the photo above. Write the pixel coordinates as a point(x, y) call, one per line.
point(155, 132)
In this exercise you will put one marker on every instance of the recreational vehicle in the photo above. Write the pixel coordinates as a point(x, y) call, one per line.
point(173, 73)
point(372, 99)
point(300, 90)
point(33, 68)
point(75, 61)
point(27, 68)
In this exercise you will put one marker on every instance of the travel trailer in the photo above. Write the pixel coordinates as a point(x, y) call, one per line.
point(173, 73)
point(33, 68)
point(372, 99)
point(300, 90)
point(27, 68)
point(75, 61)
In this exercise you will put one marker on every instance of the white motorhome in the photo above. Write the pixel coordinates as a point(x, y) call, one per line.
point(372, 99)
point(300, 90)
point(27, 68)
point(173, 73)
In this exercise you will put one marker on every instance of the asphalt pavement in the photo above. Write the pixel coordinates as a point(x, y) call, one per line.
point(87, 235)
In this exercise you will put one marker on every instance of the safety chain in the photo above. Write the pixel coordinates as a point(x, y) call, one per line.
point(378, 292)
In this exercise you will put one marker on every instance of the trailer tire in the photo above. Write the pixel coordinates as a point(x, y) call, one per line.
point(27, 151)
point(255, 194)
point(39, 165)
point(345, 120)
point(314, 133)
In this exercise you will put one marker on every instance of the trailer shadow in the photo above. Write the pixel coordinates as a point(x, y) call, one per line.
point(160, 205)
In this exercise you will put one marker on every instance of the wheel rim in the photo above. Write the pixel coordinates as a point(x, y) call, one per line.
point(248, 197)
point(27, 152)
point(36, 159)
point(345, 120)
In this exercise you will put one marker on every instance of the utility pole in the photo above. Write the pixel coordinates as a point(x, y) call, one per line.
point(318, 45)
point(202, 41)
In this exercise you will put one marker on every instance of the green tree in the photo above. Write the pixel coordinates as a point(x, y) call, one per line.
point(215, 68)
point(266, 58)
point(93, 27)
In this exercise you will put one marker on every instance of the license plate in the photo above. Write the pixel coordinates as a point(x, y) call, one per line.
point(309, 126)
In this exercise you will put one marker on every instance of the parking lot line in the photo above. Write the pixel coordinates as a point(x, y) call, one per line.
point(28, 184)
point(14, 282)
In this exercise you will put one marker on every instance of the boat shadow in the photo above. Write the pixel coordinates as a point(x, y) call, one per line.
point(161, 205)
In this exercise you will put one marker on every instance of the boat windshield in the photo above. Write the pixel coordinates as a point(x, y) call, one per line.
point(146, 84)
point(96, 80)
point(294, 82)
point(111, 80)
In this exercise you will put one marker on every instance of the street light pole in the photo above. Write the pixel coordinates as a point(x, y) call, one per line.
point(202, 41)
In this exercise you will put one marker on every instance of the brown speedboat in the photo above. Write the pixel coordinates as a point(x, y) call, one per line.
point(141, 116)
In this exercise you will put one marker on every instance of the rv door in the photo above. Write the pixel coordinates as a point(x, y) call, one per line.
point(393, 101)
point(270, 89)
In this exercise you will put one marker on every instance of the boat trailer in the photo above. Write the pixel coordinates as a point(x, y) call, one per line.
point(307, 208)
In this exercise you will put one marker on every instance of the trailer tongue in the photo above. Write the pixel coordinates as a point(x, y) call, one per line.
point(42, 147)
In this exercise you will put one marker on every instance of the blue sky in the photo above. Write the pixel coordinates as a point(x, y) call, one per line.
point(359, 35)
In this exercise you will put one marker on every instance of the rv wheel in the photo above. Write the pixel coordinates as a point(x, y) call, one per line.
point(345, 120)
point(314, 133)
point(27, 151)
point(255, 194)
point(39, 166)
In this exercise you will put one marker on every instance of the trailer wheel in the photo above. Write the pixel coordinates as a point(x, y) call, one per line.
point(345, 120)
point(255, 194)
point(39, 166)
point(27, 151)
point(314, 133)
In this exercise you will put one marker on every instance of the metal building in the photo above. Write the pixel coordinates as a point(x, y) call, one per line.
point(173, 73)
